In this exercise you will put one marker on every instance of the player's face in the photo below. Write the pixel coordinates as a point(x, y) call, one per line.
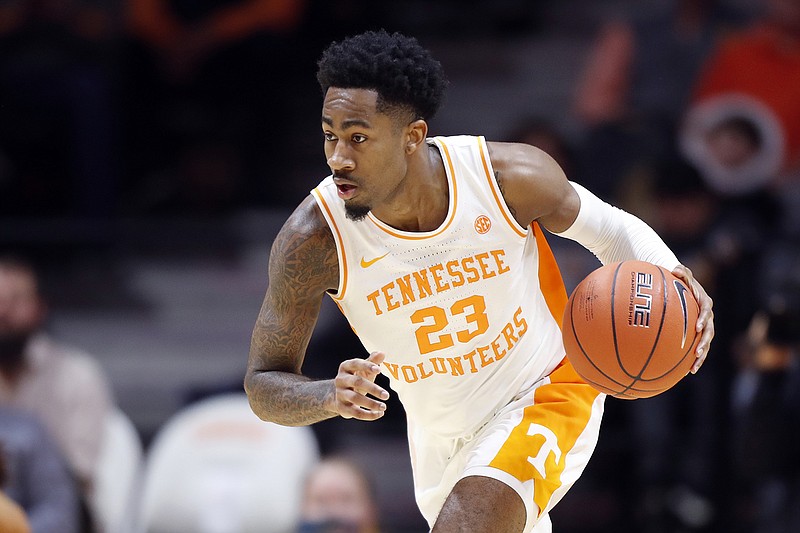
point(365, 149)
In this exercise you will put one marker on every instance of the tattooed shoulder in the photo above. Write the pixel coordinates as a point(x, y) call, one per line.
point(303, 256)
point(302, 266)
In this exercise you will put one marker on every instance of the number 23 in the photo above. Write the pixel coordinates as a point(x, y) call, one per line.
point(474, 310)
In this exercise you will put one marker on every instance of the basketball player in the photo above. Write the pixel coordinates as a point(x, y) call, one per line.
point(433, 248)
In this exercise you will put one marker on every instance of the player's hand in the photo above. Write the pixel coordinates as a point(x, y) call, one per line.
point(356, 389)
point(705, 320)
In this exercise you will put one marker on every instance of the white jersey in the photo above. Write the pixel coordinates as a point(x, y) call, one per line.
point(468, 314)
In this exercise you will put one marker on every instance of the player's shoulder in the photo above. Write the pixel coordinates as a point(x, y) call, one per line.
point(306, 220)
point(517, 157)
point(306, 226)
point(523, 165)
point(530, 180)
point(305, 241)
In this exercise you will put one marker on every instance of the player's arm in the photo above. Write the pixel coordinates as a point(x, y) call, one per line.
point(536, 189)
point(303, 265)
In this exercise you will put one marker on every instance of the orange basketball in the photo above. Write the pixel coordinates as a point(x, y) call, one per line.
point(629, 329)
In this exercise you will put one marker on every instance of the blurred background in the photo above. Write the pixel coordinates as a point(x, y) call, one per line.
point(151, 149)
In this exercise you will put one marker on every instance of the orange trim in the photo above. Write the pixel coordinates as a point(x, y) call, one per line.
point(564, 406)
point(451, 176)
point(550, 281)
point(341, 310)
point(339, 242)
point(496, 192)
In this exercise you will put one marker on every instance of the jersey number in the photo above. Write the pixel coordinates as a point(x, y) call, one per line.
point(434, 319)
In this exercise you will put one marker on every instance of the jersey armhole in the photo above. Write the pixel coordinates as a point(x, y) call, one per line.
point(496, 192)
point(337, 237)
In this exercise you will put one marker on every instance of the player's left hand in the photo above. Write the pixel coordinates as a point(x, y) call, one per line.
point(356, 390)
point(705, 320)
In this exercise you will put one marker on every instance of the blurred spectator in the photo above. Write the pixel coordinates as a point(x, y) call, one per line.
point(736, 145)
point(64, 388)
point(682, 453)
point(684, 209)
point(720, 237)
point(543, 134)
point(12, 517)
point(57, 122)
point(766, 411)
point(203, 81)
point(755, 74)
point(38, 479)
point(637, 84)
point(675, 433)
point(338, 498)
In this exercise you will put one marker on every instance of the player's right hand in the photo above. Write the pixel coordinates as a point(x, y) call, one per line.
point(356, 389)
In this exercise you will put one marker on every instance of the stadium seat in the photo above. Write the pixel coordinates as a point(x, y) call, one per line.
point(215, 467)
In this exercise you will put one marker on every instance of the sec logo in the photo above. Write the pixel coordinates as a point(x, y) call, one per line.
point(483, 224)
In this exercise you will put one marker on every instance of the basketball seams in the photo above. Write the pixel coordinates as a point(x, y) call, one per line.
point(610, 392)
point(585, 353)
point(614, 317)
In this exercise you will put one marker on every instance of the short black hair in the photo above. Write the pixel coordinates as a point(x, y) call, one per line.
point(397, 67)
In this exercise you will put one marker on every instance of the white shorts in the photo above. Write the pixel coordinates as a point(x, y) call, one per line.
point(538, 445)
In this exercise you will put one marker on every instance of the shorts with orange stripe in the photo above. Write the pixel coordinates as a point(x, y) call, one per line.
point(538, 444)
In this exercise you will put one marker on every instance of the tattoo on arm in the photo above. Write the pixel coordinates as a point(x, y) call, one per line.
point(303, 265)
point(290, 399)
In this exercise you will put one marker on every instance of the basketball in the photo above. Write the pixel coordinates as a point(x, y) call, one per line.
point(629, 329)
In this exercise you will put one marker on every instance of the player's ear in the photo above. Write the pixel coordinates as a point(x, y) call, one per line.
point(416, 133)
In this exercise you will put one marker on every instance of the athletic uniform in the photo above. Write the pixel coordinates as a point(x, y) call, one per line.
point(469, 318)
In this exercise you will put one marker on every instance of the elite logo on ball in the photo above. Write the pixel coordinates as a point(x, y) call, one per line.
point(641, 299)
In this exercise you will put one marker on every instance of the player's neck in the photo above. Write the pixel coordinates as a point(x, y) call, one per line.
point(422, 203)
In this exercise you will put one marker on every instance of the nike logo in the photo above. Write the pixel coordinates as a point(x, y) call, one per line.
point(681, 290)
point(367, 264)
